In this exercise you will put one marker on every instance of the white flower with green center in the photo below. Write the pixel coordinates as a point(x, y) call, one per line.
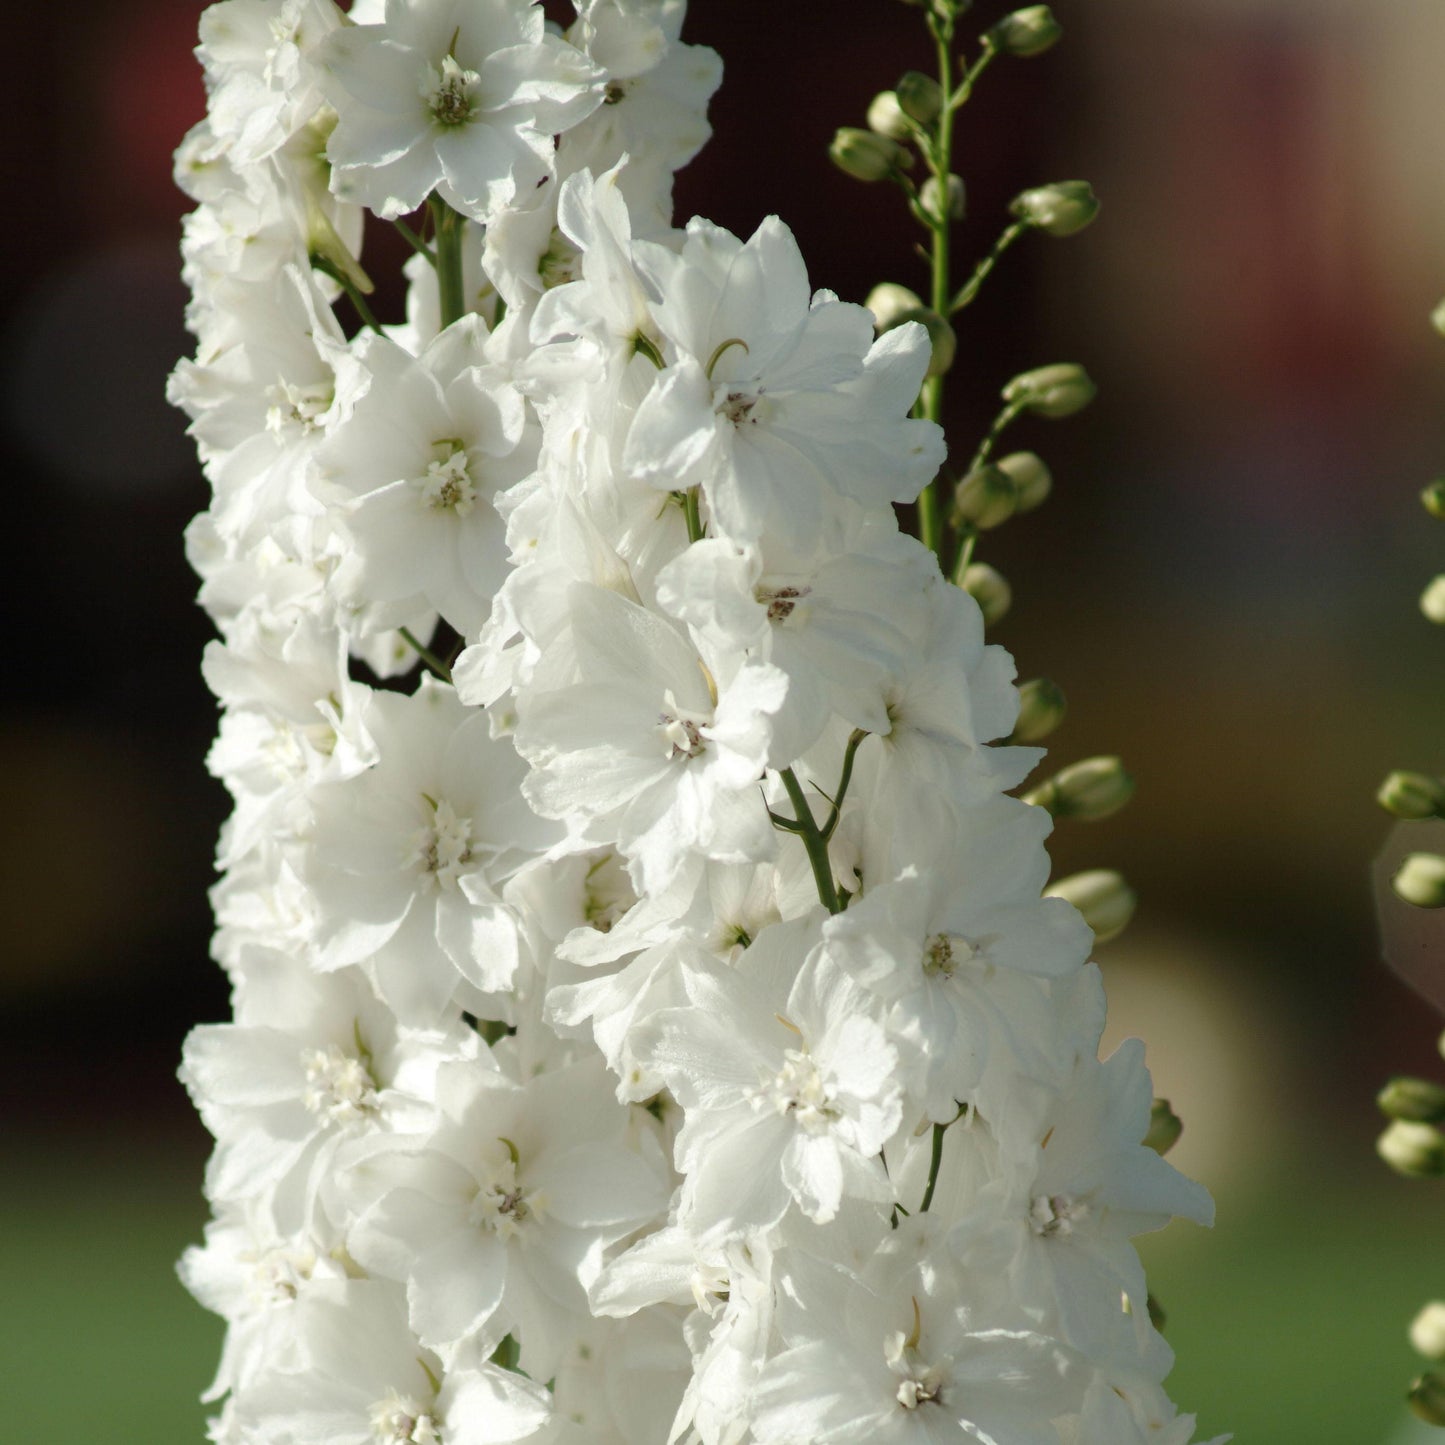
point(461, 97)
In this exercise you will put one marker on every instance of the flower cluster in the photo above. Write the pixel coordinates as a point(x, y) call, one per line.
point(648, 1024)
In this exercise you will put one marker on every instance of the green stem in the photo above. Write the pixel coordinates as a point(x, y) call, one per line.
point(320, 263)
point(807, 829)
point(965, 554)
point(427, 655)
point(690, 510)
point(846, 777)
point(450, 227)
point(971, 287)
point(415, 242)
point(933, 1166)
point(999, 425)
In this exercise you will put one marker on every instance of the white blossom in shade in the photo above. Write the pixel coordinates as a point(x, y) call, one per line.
point(414, 473)
point(462, 97)
point(644, 744)
point(407, 861)
point(885, 1358)
point(501, 1222)
point(251, 1275)
point(838, 615)
point(958, 947)
point(787, 1083)
point(324, 1063)
point(359, 1376)
point(778, 403)
point(654, 107)
point(259, 84)
point(1064, 1210)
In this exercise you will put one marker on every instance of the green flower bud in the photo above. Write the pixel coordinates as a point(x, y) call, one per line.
point(1432, 600)
point(1093, 789)
point(888, 301)
point(920, 96)
point(1417, 1100)
point(1060, 209)
point(1412, 795)
point(989, 589)
point(945, 203)
point(984, 498)
point(886, 118)
point(1102, 896)
point(1027, 32)
point(942, 336)
point(324, 243)
point(1052, 391)
point(866, 156)
point(1415, 1150)
point(1420, 880)
point(1427, 1398)
point(1165, 1127)
point(1433, 500)
point(1157, 1316)
point(1437, 318)
point(1041, 710)
point(1427, 1331)
point(1031, 478)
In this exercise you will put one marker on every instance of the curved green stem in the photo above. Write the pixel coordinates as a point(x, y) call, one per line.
point(965, 293)
point(933, 1166)
point(450, 228)
point(320, 263)
point(806, 827)
point(427, 655)
point(415, 242)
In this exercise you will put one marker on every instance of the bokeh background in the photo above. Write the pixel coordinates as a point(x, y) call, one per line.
point(1224, 585)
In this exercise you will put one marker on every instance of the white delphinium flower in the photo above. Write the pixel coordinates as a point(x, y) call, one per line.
point(407, 860)
point(637, 739)
point(788, 1086)
point(462, 97)
point(1129, 1412)
point(500, 1222)
point(359, 1376)
point(779, 401)
point(413, 473)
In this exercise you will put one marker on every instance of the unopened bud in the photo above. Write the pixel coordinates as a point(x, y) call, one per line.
point(920, 96)
point(1418, 1100)
point(984, 498)
point(1420, 880)
point(944, 203)
point(1052, 391)
point(889, 302)
point(1093, 789)
point(324, 243)
point(866, 156)
point(1060, 209)
point(1041, 710)
point(1031, 478)
point(1102, 896)
point(1432, 600)
point(989, 589)
point(1412, 795)
point(1433, 500)
point(886, 118)
point(1427, 1398)
point(1157, 1315)
point(1437, 318)
point(1027, 32)
point(1427, 1331)
point(1165, 1127)
point(1415, 1150)
point(941, 336)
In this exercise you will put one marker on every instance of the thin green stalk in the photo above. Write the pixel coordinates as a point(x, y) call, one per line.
point(449, 226)
point(694, 517)
point(806, 827)
point(999, 425)
point(965, 554)
point(415, 242)
point(933, 1166)
point(320, 263)
point(427, 655)
point(970, 288)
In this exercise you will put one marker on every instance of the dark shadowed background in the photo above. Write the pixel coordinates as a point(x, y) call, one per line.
point(1224, 584)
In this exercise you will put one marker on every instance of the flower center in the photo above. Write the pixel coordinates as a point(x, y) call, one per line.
point(797, 1088)
point(739, 407)
point(607, 893)
point(297, 408)
point(557, 265)
point(502, 1205)
point(444, 848)
point(681, 735)
point(339, 1086)
point(451, 92)
point(447, 486)
point(616, 91)
point(278, 1274)
point(399, 1418)
point(1053, 1215)
point(780, 601)
point(918, 1383)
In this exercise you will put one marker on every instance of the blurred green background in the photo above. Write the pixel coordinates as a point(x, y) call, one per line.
point(1224, 585)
